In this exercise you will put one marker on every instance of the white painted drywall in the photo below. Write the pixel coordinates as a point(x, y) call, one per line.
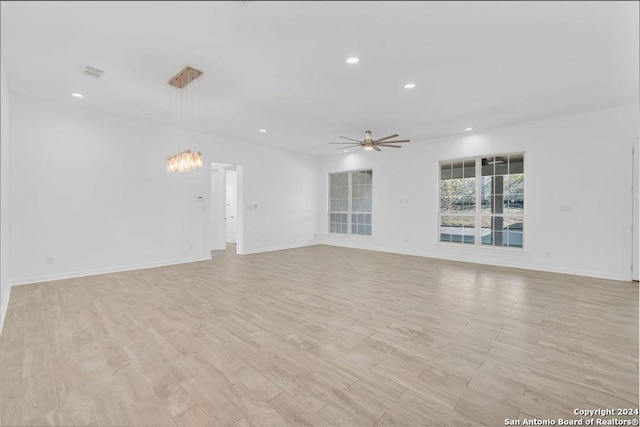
point(4, 196)
point(217, 229)
point(582, 161)
point(90, 193)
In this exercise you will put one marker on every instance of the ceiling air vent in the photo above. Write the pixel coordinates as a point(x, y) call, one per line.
point(92, 72)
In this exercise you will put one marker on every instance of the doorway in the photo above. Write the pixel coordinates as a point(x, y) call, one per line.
point(225, 217)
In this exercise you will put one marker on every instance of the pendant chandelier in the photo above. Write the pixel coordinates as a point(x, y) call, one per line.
point(185, 104)
point(185, 161)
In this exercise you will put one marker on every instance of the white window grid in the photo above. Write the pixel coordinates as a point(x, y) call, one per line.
point(479, 219)
point(351, 202)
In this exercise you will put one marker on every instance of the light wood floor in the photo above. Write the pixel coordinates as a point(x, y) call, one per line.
point(317, 336)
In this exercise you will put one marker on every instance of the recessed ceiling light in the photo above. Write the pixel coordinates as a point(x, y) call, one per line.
point(468, 129)
point(262, 130)
point(77, 95)
point(409, 85)
point(353, 60)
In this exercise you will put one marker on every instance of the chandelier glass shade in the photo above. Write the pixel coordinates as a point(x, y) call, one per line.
point(185, 109)
point(185, 161)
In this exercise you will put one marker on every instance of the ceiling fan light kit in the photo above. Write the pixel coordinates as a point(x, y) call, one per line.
point(370, 144)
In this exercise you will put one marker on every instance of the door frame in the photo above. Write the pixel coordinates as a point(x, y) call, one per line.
point(227, 170)
point(221, 201)
point(635, 225)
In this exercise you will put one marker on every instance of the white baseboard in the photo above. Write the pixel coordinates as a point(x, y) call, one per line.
point(3, 309)
point(524, 266)
point(106, 270)
point(545, 268)
point(278, 248)
point(585, 273)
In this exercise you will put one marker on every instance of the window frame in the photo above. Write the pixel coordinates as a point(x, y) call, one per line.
point(478, 214)
point(350, 212)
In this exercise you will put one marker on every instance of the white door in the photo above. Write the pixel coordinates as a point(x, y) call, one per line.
point(232, 205)
point(636, 224)
point(217, 229)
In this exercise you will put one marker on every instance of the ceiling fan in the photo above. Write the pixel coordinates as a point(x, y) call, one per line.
point(371, 144)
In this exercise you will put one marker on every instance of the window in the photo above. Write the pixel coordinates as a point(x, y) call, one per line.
point(350, 200)
point(458, 201)
point(482, 201)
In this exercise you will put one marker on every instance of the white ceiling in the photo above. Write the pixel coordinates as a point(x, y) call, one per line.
point(281, 65)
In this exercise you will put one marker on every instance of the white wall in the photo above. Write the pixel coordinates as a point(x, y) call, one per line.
point(582, 160)
point(217, 226)
point(4, 196)
point(90, 193)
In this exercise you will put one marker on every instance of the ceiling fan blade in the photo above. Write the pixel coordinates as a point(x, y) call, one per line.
point(393, 142)
point(356, 140)
point(376, 148)
point(386, 137)
point(348, 146)
point(387, 145)
point(340, 143)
